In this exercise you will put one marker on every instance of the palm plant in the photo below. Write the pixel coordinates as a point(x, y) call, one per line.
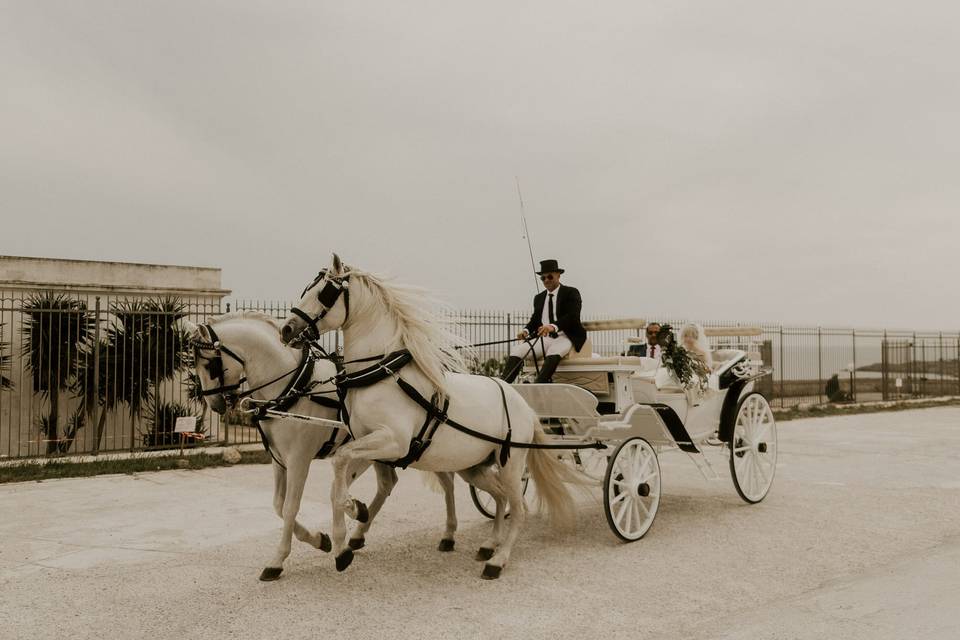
point(5, 382)
point(143, 348)
point(56, 328)
point(161, 420)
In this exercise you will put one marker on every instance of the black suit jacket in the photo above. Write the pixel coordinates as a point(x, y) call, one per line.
point(566, 307)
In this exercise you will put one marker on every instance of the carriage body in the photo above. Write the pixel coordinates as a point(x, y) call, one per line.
point(640, 412)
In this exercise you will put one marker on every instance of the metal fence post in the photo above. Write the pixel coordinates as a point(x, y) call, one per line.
point(853, 372)
point(820, 364)
point(942, 378)
point(884, 365)
point(783, 395)
point(96, 376)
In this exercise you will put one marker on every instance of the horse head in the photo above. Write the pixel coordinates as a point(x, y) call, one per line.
point(323, 305)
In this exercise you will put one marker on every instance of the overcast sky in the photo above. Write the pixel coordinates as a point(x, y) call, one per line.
point(762, 160)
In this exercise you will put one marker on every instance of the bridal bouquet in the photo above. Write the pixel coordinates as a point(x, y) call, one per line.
point(692, 372)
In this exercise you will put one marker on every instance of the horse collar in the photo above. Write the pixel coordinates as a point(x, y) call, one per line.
point(388, 366)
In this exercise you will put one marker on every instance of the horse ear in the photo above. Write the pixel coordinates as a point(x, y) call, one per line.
point(337, 266)
point(187, 326)
point(203, 334)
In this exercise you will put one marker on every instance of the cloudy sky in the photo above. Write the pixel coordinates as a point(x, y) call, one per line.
point(756, 160)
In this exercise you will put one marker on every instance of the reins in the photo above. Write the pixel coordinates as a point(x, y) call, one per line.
point(300, 386)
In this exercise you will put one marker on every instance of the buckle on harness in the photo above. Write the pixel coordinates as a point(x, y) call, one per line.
point(396, 376)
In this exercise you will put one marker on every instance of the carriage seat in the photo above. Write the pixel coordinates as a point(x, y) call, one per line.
point(723, 359)
point(585, 352)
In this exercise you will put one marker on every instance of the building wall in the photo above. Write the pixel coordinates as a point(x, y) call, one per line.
point(99, 285)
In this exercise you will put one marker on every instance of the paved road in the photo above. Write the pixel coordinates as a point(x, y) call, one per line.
point(860, 538)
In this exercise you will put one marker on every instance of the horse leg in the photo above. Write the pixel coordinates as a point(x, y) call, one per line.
point(446, 481)
point(386, 481)
point(486, 479)
point(295, 476)
point(377, 445)
point(511, 478)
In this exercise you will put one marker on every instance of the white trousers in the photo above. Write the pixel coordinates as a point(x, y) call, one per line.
point(559, 346)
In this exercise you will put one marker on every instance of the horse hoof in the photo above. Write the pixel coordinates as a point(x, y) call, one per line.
point(325, 545)
point(344, 559)
point(483, 554)
point(356, 543)
point(446, 545)
point(491, 572)
point(270, 574)
point(362, 513)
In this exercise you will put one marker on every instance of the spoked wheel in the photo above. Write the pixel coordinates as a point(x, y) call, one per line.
point(631, 489)
point(485, 503)
point(753, 448)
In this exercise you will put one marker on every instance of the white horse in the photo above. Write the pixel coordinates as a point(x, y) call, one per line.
point(247, 344)
point(378, 317)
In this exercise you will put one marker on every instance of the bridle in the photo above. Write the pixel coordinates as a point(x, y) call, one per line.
point(217, 371)
point(215, 366)
point(332, 289)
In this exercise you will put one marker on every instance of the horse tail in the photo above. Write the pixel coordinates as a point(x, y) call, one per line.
point(551, 476)
point(431, 481)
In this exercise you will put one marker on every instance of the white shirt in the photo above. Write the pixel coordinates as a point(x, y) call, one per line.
point(653, 350)
point(545, 316)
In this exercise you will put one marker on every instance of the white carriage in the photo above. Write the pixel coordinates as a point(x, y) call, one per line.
point(635, 407)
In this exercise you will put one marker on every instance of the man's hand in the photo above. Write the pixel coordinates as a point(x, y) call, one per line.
point(522, 335)
point(546, 330)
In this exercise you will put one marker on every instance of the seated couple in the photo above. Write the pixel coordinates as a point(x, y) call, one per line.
point(692, 337)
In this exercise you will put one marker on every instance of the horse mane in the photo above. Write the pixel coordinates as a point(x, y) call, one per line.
point(246, 315)
point(421, 327)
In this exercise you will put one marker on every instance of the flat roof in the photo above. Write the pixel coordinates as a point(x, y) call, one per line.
point(111, 262)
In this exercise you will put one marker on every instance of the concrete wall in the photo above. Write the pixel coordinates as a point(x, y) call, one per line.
point(108, 277)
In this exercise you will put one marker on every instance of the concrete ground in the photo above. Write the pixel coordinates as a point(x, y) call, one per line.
point(859, 538)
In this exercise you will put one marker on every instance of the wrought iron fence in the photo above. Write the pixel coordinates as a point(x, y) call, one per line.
point(86, 374)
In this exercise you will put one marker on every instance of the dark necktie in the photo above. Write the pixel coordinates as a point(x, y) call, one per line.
point(552, 318)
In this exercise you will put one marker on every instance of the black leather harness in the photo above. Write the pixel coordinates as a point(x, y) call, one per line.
point(389, 366)
point(299, 386)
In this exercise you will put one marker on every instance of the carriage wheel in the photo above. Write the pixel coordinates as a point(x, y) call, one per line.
point(631, 489)
point(485, 503)
point(753, 448)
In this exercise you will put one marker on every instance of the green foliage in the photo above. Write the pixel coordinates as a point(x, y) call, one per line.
point(143, 348)
point(5, 358)
point(55, 329)
point(692, 372)
point(490, 367)
point(161, 421)
point(58, 443)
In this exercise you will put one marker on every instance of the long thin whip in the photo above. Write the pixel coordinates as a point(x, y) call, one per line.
point(526, 235)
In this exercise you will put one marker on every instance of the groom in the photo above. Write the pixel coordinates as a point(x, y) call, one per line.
point(554, 327)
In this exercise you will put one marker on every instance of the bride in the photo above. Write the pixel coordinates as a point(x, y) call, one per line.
point(695, 342)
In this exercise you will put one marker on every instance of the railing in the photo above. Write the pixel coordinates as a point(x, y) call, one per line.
point(87, 374)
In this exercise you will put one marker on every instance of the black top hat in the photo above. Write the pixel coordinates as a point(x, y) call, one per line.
point(546, 266)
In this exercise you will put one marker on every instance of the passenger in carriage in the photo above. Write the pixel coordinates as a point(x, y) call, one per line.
point(555, 324)
point(694, 340)
point(651, 349)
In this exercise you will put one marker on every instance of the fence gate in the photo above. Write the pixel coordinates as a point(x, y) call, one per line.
point(920, 367)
